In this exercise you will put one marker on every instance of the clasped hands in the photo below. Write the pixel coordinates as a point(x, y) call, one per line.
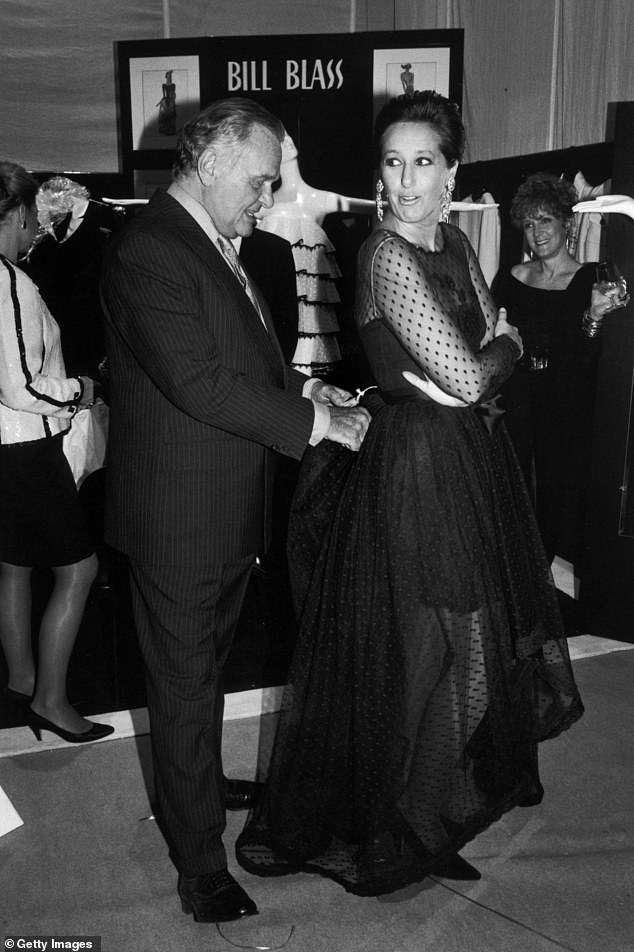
point(433, 391)
point(348, 422)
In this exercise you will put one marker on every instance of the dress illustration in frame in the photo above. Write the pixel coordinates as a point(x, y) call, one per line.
point(398, 71)
point(164, 94)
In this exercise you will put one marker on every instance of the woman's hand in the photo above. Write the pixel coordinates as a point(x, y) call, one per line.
point(503, 327)
point(601, 304)
point(433, 391)
point(90, 391)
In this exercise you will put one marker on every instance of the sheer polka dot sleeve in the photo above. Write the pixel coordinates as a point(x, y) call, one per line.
point(427, 299)
point(485, 298)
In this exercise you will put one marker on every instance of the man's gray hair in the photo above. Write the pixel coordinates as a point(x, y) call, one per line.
point(224, 122)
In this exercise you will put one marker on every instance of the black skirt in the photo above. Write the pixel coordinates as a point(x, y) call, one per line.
point(42, 521)
point(430, 658)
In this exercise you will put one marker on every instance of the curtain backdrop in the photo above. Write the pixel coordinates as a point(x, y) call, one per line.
point(522, 59)
point(260, 17)
point(58, 103)
point(596, 68)
point(537, 76)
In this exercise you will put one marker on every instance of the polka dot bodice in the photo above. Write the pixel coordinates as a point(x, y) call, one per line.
point(439, 313)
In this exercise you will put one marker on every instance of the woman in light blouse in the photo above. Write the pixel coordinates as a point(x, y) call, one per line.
point(41, 518)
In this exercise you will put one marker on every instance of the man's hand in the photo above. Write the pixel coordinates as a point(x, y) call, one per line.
point(348, 426)
point(332, 396)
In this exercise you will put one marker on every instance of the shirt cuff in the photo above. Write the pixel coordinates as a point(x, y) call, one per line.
point(308, 387)
point(322, 413)
point(321, 424)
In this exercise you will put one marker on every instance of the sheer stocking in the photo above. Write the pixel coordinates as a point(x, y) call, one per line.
point(57, 635)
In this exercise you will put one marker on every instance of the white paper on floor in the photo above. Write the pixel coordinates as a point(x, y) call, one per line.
point(9, 817)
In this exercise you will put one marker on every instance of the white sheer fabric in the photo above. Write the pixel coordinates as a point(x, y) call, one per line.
point(483, 229)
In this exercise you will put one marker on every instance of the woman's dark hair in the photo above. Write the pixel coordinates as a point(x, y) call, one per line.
point(17, 187)
point(430, 107)
point(227, 122)
point(543, 192)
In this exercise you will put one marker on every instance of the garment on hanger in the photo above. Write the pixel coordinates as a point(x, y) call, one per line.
point(482, 228)
point(584, 242)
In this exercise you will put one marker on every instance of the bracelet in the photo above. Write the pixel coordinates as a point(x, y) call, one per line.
point(589, 326)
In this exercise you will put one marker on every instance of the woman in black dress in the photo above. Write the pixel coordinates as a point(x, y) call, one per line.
point(549, 397)
point(41, 519)
point(430, 659)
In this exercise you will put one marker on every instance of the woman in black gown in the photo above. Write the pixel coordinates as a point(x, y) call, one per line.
point(430, 659)
point(549, 398)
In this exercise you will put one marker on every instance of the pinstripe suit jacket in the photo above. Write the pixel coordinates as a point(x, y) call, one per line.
point(201, 401)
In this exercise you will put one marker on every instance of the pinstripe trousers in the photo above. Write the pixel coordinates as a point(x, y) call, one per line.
point(186, 620)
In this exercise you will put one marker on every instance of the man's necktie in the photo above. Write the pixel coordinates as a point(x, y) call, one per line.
point(234, 262)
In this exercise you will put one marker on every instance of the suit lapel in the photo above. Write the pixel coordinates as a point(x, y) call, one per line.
point(212, 260)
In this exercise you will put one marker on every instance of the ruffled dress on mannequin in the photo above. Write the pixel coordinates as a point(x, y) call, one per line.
point(298, 216)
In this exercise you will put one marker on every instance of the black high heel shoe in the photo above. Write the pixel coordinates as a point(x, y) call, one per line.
point(95, 732)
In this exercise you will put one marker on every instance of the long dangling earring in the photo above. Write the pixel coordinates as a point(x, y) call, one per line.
point(571, 238)
point(445, 206)
point(379, 201)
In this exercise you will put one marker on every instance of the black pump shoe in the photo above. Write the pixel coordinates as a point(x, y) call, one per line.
point(37, 723)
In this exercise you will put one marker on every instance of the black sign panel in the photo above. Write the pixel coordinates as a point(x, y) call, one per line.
point(325, 88)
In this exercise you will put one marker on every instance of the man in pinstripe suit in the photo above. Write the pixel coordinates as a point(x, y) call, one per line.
point(201, 404)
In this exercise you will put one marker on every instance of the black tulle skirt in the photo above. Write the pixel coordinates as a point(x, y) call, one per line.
point(430, 661)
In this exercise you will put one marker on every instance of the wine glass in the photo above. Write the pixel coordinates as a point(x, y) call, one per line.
point(612, 283)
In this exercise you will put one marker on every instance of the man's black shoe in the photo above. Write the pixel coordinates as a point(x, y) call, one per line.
point(241, 794)
point(214, 897)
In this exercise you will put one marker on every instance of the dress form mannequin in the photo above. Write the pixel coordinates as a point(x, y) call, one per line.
point(298, 216)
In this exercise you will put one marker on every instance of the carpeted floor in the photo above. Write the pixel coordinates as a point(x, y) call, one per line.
point(89, 861)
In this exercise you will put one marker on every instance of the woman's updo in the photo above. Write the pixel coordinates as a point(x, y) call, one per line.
point(17, 187)
point(430, 107)
point(543, 192)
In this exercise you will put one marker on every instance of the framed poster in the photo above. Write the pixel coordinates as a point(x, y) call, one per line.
point(164, 94)
point(401, 71)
